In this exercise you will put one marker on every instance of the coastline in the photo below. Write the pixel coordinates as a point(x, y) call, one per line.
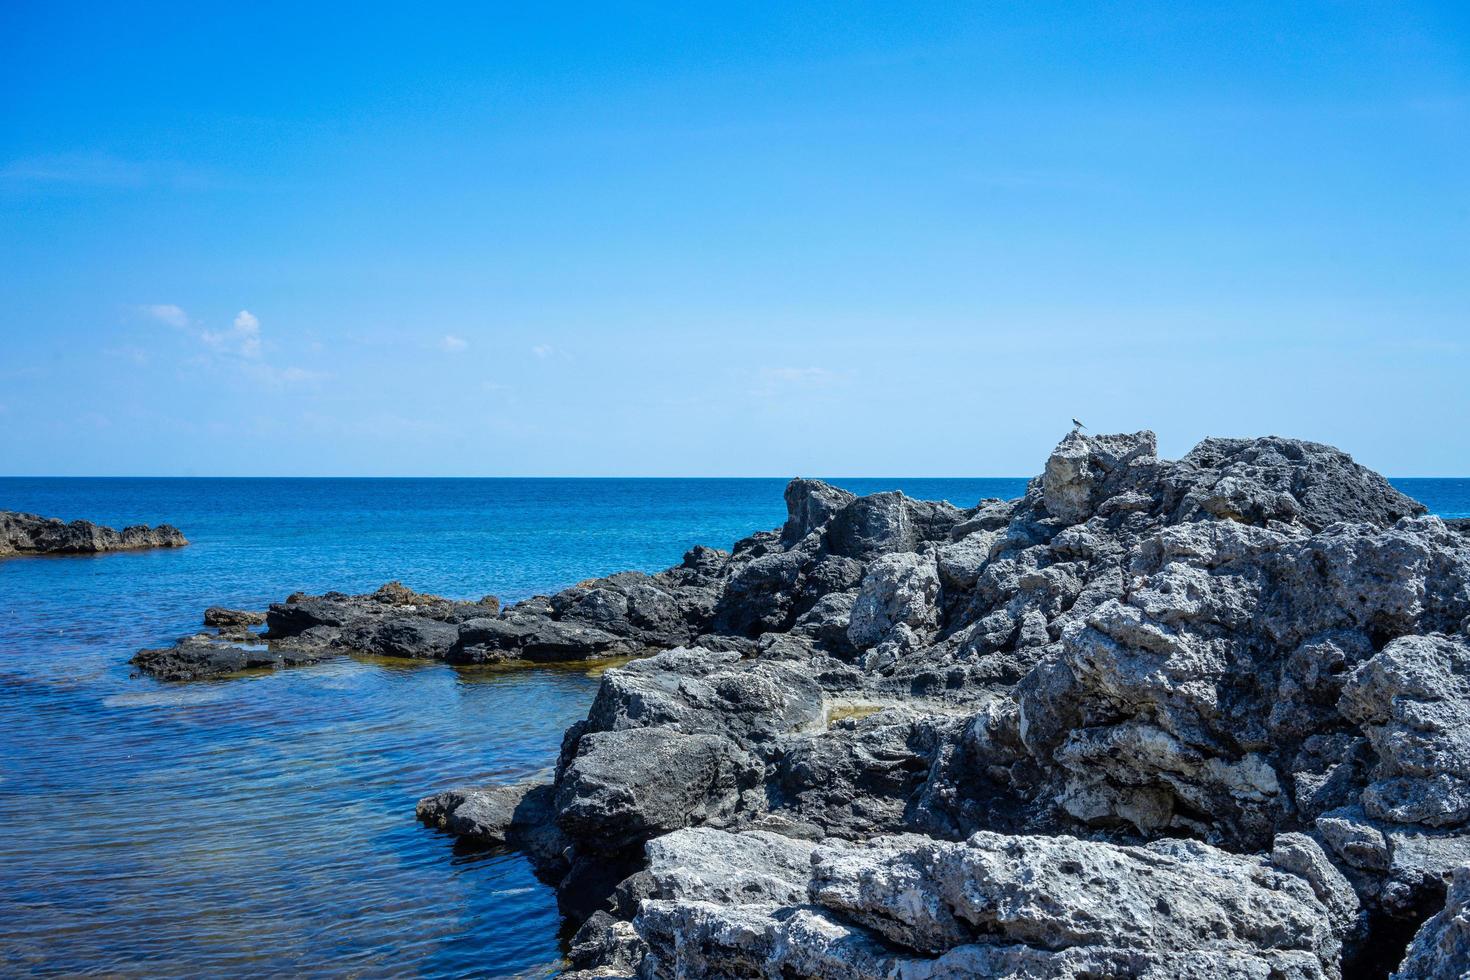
point(944, 619)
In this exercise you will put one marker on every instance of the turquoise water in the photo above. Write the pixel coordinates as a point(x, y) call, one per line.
point(264, 825)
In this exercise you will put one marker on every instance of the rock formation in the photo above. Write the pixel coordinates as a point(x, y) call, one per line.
point(1195, 718)
point(31, 534)
point(1153, 719)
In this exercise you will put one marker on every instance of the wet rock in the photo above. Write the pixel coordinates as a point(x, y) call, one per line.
point(219, 616)
point(482, 813)
point(31, 534)
point(204, 655)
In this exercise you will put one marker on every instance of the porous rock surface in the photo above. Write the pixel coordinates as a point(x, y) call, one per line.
point(1196, 718)
point(31, 534)
point(1441, 949)
point(1199, 718)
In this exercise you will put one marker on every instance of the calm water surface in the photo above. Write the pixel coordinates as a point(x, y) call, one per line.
point(265, 824)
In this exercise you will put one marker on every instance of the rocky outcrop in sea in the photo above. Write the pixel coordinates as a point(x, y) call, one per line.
point(31, 534)
point(1196, 718)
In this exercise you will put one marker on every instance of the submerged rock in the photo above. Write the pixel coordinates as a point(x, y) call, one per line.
point(31, 534)
point(205, 655)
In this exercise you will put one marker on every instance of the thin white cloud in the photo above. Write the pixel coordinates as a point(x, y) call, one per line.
point(242, 338)
point(452, 344)
point(247, 328)
point(167, 313)
point(543, 350)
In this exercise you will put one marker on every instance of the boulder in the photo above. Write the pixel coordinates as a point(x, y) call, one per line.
point(626, 786)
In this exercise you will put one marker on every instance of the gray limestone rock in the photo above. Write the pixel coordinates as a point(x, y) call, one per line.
point(898, 590)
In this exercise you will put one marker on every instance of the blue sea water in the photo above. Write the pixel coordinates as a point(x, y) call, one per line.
point(264, 824)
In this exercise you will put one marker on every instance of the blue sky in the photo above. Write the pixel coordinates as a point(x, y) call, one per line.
point(755, 239)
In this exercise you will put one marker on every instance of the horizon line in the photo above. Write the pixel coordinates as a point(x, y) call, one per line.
point(402, 476)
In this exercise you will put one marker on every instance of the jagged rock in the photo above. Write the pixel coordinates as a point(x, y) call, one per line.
point(811, 504)
point(1083, 471)
point(1441, 948)
point(704, 865)
point(1285, 480)
point(991, 906)
point(884, 523)
point(31, 534)
point(1412, 700)
point(1057, 893)
point(860, 776)
point(219, 616)
point(898, 590)
point(605, 947)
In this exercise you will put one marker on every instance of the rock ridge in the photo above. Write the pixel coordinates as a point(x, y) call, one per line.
point(32, 534)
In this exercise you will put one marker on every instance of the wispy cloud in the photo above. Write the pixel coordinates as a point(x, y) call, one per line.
point(103, 171)
point(242, 338)
point(93, 169)
point(452, 344)
point(241, 345)
point(543, 350)
point(167, 313)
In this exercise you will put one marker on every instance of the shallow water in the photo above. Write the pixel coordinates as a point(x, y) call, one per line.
point(265, 824)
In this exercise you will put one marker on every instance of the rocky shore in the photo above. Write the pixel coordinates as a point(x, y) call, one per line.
point(31, 534)
point(1196, 718)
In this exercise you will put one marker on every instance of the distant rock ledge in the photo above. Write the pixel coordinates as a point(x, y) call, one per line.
point(32, 534)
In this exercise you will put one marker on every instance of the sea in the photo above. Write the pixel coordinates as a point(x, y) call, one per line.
point(264, 824)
